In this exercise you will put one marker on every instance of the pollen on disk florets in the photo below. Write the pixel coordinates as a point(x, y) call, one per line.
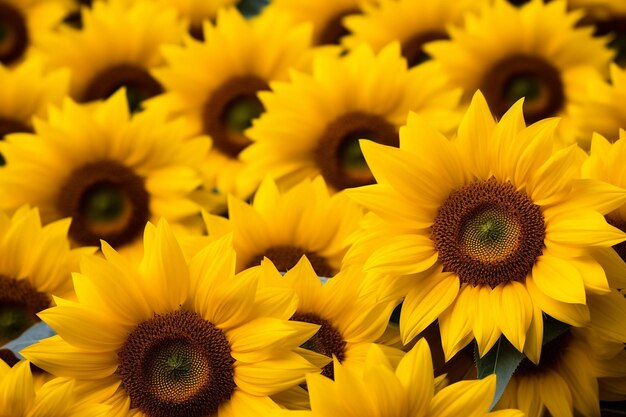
point(177, 364)
point(489, 233)
point(328, 340)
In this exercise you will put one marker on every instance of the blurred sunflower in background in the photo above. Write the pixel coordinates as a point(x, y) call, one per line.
point(214, 83)
point(36, 263)
point(20, 397)
point(23, 23)
point(312, 124)
point(486, 232)
point(116, 47)
point(534, 51)
point(175, 338)
point(27, 91)
point(408, 390)
point(578, 368)
point(412, 23)
point(327, 16)
point(284, 226)
point(108, 171)
point(599, 110)
point(608, 17)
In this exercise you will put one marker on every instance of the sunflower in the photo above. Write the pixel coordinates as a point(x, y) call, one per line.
point(19, 397)
point(485, 232)
point(283, 226)
point(35, 264)
point(313, 123)
point(411, 22)
point(214, 84)
point(327, 16)
point(27, 91)
point(599, 108)
point(23, 23)
point(116, 47)
point(175, 338)
point(533, 51)
point(349, 323)
point(606, 163)
point(107, 170)
point(578, 368)
point(409, 391)
point(609, 18)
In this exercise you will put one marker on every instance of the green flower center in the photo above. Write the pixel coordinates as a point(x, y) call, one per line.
point(14, 320)
point(230, 110)
point(522, 86)
point(103, 203)
point(177, 365)
point(106, 200)
point(489, 233)
point(240, 113)
point(338, 154)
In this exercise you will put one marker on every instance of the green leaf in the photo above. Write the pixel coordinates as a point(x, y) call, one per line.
point(502, 360)
point(552, 328)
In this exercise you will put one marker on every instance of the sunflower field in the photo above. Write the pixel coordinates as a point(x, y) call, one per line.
point(312, 208)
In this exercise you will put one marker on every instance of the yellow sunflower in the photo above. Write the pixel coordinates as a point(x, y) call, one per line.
point(27, 91)
point(175, 338)
point(107, 170)
point(609, 18)
point(606, 163)
point(487, 231)
point(214, 84)
point(35, 263)
point(349, 322)
point(327, 16)
point(116, 47)
point(312, 124)
point(23, 23)
point(578, 368)
point(412, 23)
point(20, 397)
point(599, 110)
point(283, 226)
point(406, 391)
point(533, 51)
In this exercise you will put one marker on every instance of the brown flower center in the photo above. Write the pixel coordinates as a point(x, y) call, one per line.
point(13, 33)
point(139, 84)
point(230, 111)
point(286, 257)
point(413, 49)
point(19, 304)
point(334, 30)
point(177, 364)
point(338, 154)
point(106, 200)
point(488, 233)
point(520, 76)
point(328, 341)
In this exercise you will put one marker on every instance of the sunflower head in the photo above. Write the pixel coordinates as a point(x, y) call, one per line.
point(215, 83)
point(412, 23)
point(491, 241)
point(323, 115)
point(173, 336)
point(116, 47)
point(110, 172)
point(513, 61)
